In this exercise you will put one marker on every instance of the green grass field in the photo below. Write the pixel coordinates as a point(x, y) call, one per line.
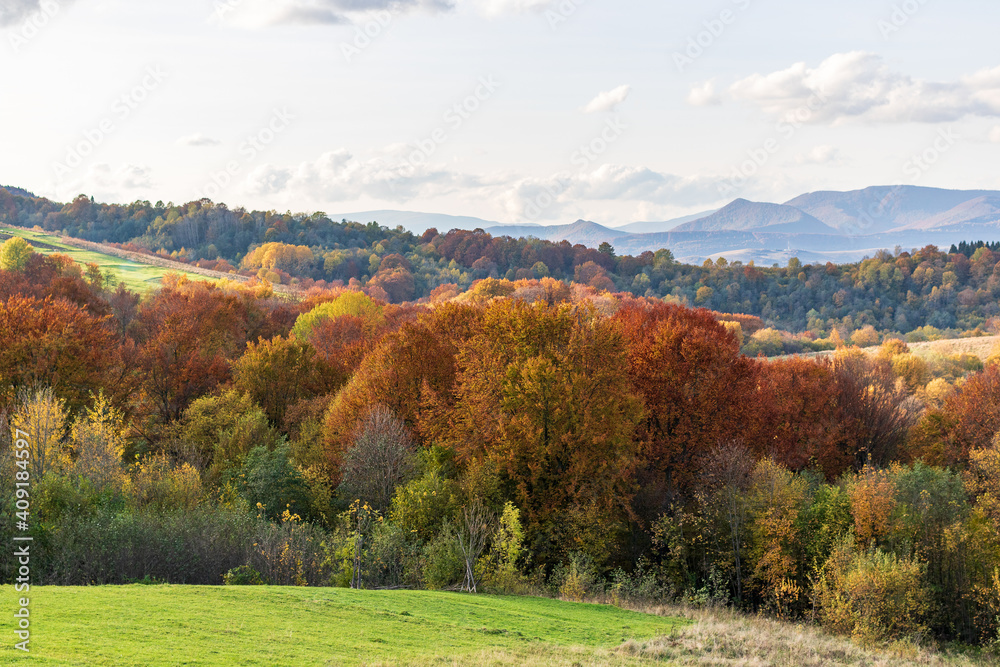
point(203, 625)
point(137, 276)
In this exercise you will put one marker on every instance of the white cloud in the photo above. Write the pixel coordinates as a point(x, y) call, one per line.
point(862, 86)
point(16, 11)
point(609, 100)
point(704, 95)
point(497, 7)
point(339, 176)
point(107, 183)
point(995, 135)
point(261, 13)
point(126, 177)
point(197, 140)
point(551, 195)
point(820, 155)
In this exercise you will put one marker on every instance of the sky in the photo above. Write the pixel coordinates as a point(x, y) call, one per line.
point(515, 111)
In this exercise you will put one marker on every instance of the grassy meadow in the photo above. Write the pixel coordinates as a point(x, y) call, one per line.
point(144, 626)
point(193, 625)
point(135, 275)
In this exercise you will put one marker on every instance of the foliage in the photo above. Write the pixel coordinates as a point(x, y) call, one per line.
point(872, 595)
point(244, 575)
point(14, 254)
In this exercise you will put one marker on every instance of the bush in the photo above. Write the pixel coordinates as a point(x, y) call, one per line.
point(578, 578)
point(113, 547)
point(443, 562)
point(269, 480)
point(873, 596)
point(290, 553)
point(498, 570)
point(244, 575)
point(155, 482)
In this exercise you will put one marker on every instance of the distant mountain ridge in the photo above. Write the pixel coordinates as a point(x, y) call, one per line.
point(817, 226)
point(743, 215)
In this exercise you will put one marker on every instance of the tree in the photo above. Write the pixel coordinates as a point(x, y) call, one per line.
point(217, 431)
point(476, 528)
point(268, 480)
point(187, 335)
point(382, 459)
point(725, 496)
point(348, 303)
point(541, 396)
point(58, 345)
point(42, 416)
point(801, 424)
point(697, 389)
point(971, 416)
point(875, 411)
point(282, 371)
point(97, 439)
point(14, 254)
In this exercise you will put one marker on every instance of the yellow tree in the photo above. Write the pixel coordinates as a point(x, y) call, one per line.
point(14, 254)
point(97, 439)
point(777, 496)
point(42, 416)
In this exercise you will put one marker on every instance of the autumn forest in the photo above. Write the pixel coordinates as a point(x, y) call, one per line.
point(506, 415)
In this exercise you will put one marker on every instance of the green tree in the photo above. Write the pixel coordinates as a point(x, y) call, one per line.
point(14, 254)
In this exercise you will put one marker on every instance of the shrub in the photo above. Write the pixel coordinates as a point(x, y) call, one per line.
point(244, 575)
point(578, 578)
point(499, 570)
point(290, 553)
point(155, 482)
point(269, 481)
point(443, 563)
point(872, 595)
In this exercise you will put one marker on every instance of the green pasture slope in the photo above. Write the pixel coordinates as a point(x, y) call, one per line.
point(262, 625)
point(137, 276)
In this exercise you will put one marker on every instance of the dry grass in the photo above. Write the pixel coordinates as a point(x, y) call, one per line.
point(977, 347)
point(724, 637)
point(981, 347)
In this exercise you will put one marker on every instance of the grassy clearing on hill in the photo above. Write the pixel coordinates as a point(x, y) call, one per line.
point(274, 626)
point(135, 275)
point(981, 347)
point(170, 625)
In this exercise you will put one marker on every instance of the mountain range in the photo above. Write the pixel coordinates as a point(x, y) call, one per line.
point(815, 227)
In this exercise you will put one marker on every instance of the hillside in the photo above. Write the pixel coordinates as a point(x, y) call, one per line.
point(270, 626)
point(138, 272)
point(308, 626)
